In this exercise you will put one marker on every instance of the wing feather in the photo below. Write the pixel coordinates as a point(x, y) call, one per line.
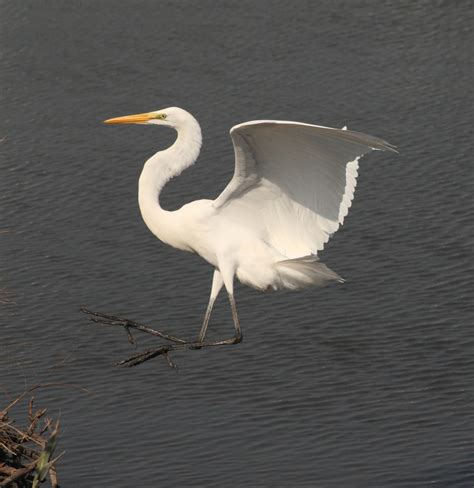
point(293, 183)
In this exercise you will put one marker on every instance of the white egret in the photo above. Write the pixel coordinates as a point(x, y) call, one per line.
point(292, 188)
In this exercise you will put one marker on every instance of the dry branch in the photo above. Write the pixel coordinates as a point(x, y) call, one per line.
point(174, 343)
point(27, 454)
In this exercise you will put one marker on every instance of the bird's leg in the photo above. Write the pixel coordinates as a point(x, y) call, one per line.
point(233, 340)
point(228, 271)
point(174, 342)
point(205, 323)
point(238, 331)
point(216, 288)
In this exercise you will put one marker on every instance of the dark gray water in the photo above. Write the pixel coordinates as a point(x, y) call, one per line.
point(367, 384)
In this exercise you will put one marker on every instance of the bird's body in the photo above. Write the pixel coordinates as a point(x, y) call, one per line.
point(292, 187)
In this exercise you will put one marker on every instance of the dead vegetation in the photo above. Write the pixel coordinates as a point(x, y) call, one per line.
point(27, 454)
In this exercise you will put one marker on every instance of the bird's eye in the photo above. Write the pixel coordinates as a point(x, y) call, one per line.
point(160, 116)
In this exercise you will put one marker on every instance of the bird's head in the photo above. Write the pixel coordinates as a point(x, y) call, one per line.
point(168, 117)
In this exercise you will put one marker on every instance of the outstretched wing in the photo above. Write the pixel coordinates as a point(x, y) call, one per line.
point(293, 183)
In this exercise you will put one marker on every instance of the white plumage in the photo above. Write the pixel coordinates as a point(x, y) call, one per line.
point(292, 187)
point(298, 180)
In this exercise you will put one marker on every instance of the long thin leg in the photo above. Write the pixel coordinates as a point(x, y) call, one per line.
point(224, 276)
point(217, 283)
point(228, 271)
point(235, 317)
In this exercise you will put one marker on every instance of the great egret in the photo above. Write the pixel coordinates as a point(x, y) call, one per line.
point(292, 188)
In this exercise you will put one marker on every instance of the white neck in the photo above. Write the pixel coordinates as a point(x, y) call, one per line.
point(159, 169)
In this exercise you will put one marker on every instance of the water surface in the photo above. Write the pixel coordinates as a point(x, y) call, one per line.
point(368, 384)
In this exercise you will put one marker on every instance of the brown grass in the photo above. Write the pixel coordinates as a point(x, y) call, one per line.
point(27, 454)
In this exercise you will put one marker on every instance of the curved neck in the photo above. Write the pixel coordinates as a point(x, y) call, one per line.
point(160, 168)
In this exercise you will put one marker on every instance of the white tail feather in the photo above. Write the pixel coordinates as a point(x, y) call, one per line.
point(304, 272)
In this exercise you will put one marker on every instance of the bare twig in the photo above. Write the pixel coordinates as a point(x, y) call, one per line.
point(53, 476)
point(107, 319)
point(163, 350)
point(36, 387)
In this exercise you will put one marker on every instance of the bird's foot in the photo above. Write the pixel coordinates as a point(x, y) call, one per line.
point(238, 338)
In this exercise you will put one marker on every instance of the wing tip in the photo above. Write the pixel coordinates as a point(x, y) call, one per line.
point(374, 143)
point(386, 146)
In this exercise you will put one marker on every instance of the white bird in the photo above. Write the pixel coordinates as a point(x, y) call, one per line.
point(292, 188)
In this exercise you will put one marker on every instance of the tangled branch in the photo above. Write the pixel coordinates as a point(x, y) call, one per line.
point(27, 456)
point(174, 343)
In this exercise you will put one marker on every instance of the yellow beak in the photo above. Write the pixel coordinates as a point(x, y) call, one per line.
point(131, 119)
